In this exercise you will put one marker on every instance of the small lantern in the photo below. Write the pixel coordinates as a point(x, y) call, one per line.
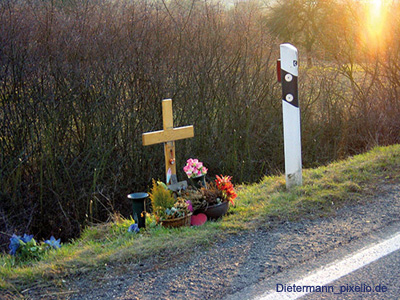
point(138, 206)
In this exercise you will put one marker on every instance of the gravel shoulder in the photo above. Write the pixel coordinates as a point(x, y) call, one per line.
point(240, 260)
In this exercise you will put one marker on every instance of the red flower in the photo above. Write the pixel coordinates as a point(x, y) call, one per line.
point(225, 185)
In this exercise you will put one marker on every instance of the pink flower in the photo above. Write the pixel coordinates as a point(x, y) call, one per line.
point(194, 168)
point(190, 207)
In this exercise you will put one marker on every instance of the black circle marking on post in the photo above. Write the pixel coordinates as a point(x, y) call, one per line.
point(290, 88)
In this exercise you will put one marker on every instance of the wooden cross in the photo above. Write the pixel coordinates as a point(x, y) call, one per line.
point(168, 136)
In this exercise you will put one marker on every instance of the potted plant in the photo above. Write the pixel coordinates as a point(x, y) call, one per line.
point(168, 211)
point(196, 172)
point(214, 199)
point(218, 196)
point(196, 199)
point(225, 185)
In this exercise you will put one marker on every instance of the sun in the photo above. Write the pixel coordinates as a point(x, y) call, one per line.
point(376, 4)
point(375, 22)
point(375, 11)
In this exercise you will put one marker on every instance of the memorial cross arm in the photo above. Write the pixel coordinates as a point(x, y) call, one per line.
point(164, 136)
point(168, 136)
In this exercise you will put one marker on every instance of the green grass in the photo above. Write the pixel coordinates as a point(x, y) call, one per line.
point(258, 205)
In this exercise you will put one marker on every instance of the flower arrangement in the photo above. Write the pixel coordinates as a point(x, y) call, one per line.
point(179, 210)
point(26, 247)
point(194, 168)
point(213, 193)
point(225, 185)
point(195, 199)
point(165, 206)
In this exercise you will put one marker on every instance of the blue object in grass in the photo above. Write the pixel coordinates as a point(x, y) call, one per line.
point(27, 238)
point(134, 228)
point(15, 242)
point(53, 243)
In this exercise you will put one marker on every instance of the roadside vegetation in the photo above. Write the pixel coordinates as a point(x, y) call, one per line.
point(80, 81)
point(260, 205)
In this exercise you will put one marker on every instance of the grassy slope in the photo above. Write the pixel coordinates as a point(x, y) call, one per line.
point(324, 189)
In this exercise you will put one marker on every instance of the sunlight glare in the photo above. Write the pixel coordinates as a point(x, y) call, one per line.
point(375, 23)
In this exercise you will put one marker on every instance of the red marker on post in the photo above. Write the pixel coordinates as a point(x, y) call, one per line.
point(278, 70)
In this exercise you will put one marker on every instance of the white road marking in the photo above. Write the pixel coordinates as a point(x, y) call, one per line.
point(337, 269)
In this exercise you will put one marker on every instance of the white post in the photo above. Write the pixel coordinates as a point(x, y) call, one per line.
point(291, 114)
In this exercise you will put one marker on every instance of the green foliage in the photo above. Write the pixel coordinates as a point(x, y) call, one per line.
point(258, 205)
point(80, 83)
point(151, 221)
point(30, 251)
point(324, 189)
point(161, 200)
point(108, 231)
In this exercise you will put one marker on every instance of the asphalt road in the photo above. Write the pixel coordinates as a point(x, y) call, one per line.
point(382, 277)
point(368, 269)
